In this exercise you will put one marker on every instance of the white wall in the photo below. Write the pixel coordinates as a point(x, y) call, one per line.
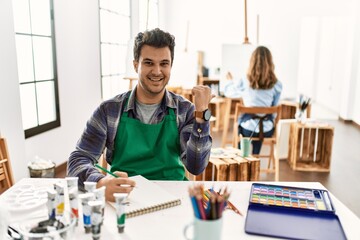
point(351, 98)
point(283, 27)
point(78, 62)
point(77, 49)
point(10, 112)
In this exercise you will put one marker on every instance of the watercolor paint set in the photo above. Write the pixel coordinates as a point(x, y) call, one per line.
point(282, 196)
point(292, 213)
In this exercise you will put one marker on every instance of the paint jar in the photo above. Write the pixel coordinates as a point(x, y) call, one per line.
point(245, 146)
point(300, 116)
point(59, 228)
point(41, 168)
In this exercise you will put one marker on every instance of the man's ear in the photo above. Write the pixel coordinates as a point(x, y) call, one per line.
point(136, 64)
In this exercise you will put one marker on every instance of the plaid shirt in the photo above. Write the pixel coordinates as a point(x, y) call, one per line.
point(101, 129)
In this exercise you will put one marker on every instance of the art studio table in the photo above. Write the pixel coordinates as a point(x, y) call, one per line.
point(169, 223)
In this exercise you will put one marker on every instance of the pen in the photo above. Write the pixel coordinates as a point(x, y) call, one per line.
point(105, 170)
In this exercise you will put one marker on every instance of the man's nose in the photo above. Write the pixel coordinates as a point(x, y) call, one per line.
point(156, 69)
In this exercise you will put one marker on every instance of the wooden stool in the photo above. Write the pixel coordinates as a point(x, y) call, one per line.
point(131, 79)
point(226, 164)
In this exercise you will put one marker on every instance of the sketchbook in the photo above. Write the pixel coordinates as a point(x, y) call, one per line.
point(292, 213)
point(147, 197)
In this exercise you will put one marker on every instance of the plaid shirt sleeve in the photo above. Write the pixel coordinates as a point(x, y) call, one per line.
point(88, 150)
point(98, 134)
point(195, 140)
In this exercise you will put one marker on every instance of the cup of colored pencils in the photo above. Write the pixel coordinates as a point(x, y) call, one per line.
point(208, 206)
point(303, 104)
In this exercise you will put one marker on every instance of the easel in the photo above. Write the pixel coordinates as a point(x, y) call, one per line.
point(6, 177)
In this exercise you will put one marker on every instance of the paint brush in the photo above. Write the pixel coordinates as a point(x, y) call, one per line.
point(105, 170)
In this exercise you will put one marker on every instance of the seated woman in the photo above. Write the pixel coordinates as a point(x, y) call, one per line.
point(260, 88)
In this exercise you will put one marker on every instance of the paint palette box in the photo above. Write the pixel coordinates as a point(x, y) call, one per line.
point(292, 212)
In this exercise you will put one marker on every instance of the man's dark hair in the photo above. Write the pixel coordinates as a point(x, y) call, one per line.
point(154, 38)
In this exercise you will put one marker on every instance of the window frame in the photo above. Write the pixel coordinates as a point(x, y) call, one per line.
point(119, 74)
point(41, 128)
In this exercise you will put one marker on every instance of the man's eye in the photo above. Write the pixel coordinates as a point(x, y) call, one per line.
point(148, 63)
point(165, 64)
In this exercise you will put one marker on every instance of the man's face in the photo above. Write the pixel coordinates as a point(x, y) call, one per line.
point(153, 68)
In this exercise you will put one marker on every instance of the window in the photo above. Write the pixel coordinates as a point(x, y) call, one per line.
point(114, 38)
point(36, 58)
point(149, 14)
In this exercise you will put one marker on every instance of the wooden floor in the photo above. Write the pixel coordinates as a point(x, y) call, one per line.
point(344, 177)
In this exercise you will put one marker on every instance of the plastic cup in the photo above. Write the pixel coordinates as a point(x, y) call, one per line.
point(245, 147)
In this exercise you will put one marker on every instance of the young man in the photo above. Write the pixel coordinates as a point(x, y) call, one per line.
point(147, 131)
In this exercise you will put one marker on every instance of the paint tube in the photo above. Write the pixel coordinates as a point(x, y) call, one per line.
point(85, 199)
point(100, 196)
point(89, 186)
point(96, 218)
point(120, 210)
point(51, 193)
point(72, 184)
point(73, 199)
point(60, 201)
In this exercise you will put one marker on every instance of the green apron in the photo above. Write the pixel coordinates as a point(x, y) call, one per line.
point(150, 150)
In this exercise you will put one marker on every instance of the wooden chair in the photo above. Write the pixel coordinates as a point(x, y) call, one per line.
point(273, 158)
point(175, 89)
point(230, 105)
point(6, 177)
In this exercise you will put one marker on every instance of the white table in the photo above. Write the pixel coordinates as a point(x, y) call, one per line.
point(169, 223)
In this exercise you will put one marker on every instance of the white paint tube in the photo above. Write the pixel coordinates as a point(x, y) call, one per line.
point(51, 193)
point(85, 199)
point(59, 200)
point(120, 210)
point(89, 186)
point(96, 218)
point(100, 196)
point(72, 184)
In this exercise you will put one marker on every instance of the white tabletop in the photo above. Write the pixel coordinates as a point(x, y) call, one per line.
point(169, 223)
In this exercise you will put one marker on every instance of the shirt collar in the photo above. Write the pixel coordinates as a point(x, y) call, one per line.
point(168, 100)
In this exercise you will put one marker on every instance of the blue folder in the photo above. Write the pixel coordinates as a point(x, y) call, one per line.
point(292, 223)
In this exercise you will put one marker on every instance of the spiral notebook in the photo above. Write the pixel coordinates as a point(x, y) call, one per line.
point(147, 197)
